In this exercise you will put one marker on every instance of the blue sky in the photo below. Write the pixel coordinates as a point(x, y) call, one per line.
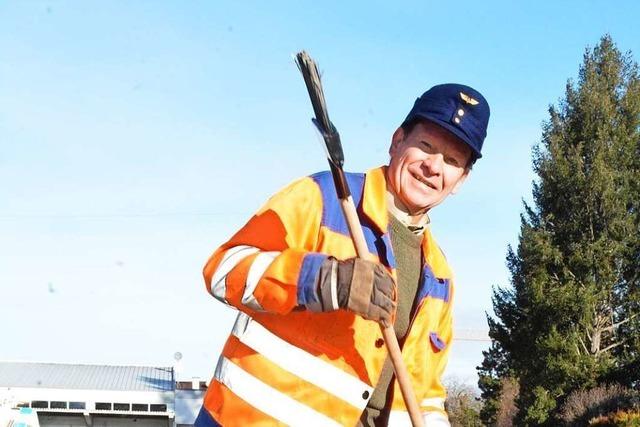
point(135, 137)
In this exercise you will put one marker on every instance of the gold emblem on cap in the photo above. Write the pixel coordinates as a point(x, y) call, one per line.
point(469, 100)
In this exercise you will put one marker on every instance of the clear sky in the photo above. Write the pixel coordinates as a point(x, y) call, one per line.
point(136, 137)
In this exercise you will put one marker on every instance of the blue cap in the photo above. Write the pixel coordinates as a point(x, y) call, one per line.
point(459, 109)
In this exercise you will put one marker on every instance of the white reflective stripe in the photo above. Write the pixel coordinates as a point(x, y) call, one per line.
point(430, 419)
point(435, 419)
point(437, 402)
point(334, 285)
point(258, 267)
point(240, 325)
point(399, 419)
point(300, 363)
point(230, 259)
point(267, 399)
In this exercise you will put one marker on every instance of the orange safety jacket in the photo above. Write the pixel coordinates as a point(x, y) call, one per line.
point(286, 365)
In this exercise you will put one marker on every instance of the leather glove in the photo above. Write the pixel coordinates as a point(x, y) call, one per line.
point(357, 285)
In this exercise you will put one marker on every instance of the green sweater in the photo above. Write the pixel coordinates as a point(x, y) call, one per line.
point(408, 254)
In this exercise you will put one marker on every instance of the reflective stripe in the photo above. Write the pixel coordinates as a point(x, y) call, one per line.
point(231, 258)
point(266, 398)
point(436, 402)
point(300, 363)
point(399, 419)
point(435, 419)
point(258, 267)
point(430, 419)
point(334, 285)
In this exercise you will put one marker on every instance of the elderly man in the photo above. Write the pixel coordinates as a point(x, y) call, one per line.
point(306, 347)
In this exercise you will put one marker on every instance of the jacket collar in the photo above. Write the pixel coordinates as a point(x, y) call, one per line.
point(374, 198)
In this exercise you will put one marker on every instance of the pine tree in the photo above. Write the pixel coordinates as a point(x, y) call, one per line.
point(570, 318)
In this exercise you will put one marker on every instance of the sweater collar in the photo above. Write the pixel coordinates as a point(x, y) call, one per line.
point(399, 212)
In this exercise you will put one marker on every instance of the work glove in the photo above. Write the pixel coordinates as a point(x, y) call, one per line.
point(357, 285)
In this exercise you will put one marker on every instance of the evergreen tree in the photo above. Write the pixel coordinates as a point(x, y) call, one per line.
point(570, 318)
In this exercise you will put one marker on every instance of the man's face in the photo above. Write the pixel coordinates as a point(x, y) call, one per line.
point(426, 166)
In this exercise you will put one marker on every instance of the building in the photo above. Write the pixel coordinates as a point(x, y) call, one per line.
point(22, 417)
point(73, 395)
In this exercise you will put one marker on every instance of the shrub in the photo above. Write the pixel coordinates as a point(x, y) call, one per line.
point(584, 405)
point(462, 404)
point(617, 419)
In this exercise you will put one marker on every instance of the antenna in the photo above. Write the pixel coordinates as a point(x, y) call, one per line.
point(177, 366)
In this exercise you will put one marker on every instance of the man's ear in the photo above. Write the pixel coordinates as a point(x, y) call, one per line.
point(396, 139)
point(461, 180)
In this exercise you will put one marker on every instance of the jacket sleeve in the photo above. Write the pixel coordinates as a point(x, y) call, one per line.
point(270, 265)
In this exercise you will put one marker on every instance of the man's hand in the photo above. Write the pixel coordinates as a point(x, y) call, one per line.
point(357, 285)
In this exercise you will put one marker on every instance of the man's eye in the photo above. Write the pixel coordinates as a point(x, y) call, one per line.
point(452, 161)
point(427, 146)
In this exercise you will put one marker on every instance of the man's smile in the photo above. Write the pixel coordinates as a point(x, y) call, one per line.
point(422, 180)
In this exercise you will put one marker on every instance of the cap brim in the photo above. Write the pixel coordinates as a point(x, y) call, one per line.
point(454, 130)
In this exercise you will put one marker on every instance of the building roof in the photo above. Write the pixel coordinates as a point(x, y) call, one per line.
point(86, 377)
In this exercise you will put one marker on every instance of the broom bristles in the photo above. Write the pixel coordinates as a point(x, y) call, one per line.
point(309, 70)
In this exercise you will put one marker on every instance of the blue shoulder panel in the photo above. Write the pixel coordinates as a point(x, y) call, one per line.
point(333, 218)
point(433, 286)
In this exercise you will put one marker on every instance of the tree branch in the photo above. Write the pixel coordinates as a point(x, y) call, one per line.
point(586, 331)
point(616, 325)
point(584, 347)
point(614, 345)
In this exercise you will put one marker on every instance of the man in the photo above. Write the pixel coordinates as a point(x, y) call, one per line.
point(306, 347)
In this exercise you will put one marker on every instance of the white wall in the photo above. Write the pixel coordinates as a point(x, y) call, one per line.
point(100, 421)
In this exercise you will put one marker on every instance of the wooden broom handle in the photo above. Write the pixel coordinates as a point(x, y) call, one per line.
point(389, 335)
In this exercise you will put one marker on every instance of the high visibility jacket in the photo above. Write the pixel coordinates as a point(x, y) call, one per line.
point(286, 365)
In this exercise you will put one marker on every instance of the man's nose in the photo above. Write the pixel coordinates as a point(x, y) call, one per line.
point(434, 163)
